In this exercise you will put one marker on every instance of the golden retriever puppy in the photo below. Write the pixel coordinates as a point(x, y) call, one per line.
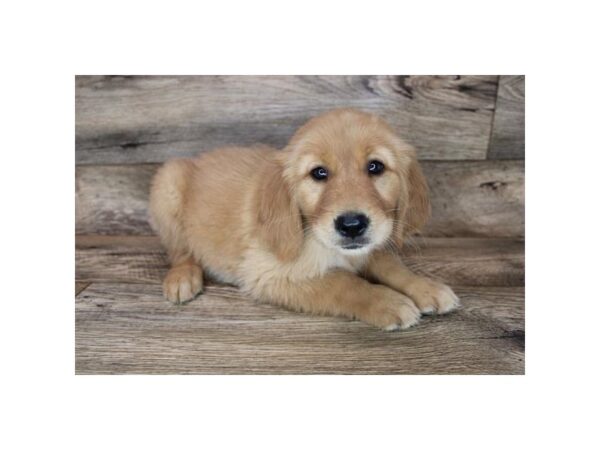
point(314, 227)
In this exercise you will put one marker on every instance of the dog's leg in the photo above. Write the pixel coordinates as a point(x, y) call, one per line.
point(183, 281)
point(344, 294)
point(429, 295)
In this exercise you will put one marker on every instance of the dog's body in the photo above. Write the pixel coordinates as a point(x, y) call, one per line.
point(304, 227)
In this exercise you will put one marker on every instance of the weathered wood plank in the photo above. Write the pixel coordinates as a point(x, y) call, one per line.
point(127, 259)
point(80, 286)
point(123, 120)
point(485, 198)
point(113, 199)
point(456, 261)
point(127, 328)
point(508, 130)
point(468, 261)
point(476, 198)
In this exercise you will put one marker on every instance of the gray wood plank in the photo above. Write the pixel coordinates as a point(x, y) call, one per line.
point(123, 120)
point(508, 130)
point(128, 328)
point(475, 198)
point(456, 261)
point(113, 199)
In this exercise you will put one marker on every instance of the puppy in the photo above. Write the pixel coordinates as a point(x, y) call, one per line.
point(314, 227)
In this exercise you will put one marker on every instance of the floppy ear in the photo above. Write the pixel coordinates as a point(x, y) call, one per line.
point(418, 209)
point(279, 220)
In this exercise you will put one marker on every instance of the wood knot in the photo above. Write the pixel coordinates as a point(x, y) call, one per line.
point(127, 145)
point(402, 86)
point(493, 185)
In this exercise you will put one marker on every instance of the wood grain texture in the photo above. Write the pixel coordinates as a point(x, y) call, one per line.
point(475, 198)
point(124, 120)
point(456, 261)
point(129, 328)
point(508, 131)
point(113, 199)
point(483, 198)
point(468, 261)
point(80, 286)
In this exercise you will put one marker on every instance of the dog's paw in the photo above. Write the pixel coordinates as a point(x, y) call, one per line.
point(182, 283)
point(432, 297)
point(391, 311)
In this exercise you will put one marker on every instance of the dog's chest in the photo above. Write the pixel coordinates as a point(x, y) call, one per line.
point(316, 260)
point(259, 266)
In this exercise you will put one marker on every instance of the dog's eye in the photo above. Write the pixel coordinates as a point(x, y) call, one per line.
point(375, 167)
point(319, 173)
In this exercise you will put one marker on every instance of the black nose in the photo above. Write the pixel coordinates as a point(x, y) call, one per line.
point(351, 224)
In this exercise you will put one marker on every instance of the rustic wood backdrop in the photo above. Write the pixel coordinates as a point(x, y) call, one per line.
point(468, 130)
point(469, 133)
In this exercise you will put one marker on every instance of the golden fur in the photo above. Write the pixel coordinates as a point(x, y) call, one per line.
point(257, 219)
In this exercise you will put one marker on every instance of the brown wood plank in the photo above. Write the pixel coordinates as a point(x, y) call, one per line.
point(456, 261)
point(508, 130)
point(485, 198)
point(80, 286)
point(124, 120)
point(136, 259)
point(127, 328)
point(468, 261)
point(475, 198)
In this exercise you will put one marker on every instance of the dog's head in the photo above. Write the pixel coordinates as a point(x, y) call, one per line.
point(349, 180)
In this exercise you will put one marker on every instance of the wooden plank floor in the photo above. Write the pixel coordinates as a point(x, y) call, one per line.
point(123, 325)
